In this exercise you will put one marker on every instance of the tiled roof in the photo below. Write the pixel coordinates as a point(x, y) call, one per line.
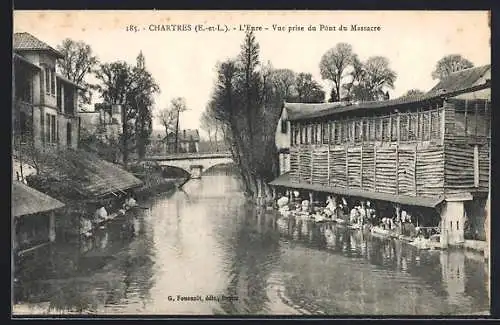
point(92, 176)
point(300, 111)
point(27, 200)
point(461, 79)
point(186, 135)
point(27, 42)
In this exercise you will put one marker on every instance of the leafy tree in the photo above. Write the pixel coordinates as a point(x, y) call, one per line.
point(211, 125)
point(412, 93)
point(333, 65)
point(308, 90)
point(248, 105)
point(448, 64)
point(333, 96)
point(78, 62)
point(370, 80)
point(143, 89)
point(284, 81)
point(133, 88)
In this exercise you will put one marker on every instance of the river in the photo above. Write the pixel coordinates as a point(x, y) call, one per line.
point(206, 243)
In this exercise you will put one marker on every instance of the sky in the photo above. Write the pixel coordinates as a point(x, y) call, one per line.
point(183, 62)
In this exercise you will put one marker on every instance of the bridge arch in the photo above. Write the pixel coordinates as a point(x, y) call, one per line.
point(193, 164)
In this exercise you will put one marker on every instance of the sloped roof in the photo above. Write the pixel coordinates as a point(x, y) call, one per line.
point(186, 135)
point(461, 79)
point(91, 175)
point(302, 111)
point(27, 42)
point(27, 200)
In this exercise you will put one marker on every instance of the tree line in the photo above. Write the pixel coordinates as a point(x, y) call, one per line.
point(248, 95)
point(131, 86)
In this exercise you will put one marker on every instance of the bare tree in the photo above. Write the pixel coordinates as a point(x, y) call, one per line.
point(334, 64)
point(450, 63)
point(168, 119)
point(177, 105)
point(78, 62)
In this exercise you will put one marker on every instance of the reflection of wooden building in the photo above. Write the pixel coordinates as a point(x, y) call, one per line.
point(430, 151)
point(33, 217)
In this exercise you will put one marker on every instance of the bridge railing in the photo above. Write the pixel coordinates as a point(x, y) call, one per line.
point(189, 155)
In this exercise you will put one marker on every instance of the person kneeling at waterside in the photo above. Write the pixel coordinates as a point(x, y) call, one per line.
point(130, 202)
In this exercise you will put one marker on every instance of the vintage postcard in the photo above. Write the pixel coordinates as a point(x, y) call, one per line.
point(251, 163)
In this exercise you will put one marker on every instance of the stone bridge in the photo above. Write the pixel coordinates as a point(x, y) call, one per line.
point(193, 163)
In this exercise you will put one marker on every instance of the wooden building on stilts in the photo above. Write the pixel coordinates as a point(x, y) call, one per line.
point(429, 153)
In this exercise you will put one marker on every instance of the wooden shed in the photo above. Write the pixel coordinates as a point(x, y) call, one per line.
point(431, 150)
point(32, 216)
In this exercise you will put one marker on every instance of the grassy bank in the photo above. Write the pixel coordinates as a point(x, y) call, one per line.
point(153, 179)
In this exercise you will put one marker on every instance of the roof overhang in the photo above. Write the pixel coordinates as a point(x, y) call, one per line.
point(22, 59)
point(66, 80)
point(314, 111)
point(430, 202)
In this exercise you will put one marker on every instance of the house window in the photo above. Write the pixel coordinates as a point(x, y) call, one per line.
point(53, 128)
point(46, 72)
point(53, 82)
point(42, 126)
point(284, 126)
point(47, 127)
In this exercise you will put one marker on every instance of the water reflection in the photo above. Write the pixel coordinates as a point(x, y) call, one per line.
point(207, 240)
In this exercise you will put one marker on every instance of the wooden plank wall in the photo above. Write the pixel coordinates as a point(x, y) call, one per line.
point(320, 166)
point(408, 169)
point(484, 167)
point(430, 171)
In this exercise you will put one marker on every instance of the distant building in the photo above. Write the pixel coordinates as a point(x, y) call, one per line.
point(105, 121)
point(189, 141)
point(45, 103)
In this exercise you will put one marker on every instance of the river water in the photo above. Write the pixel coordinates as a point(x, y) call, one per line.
point(206, 243)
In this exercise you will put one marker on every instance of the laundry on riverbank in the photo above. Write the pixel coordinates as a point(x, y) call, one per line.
point(366, 216)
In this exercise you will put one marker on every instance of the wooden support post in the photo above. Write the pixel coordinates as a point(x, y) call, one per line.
point(465, 116)
point(346, 166)
point(328, 153)
point(419, 126)
point(274, 192)
point(375, 168)
point(311, 200)
point(443, 125)
point(390, 128)
point(398, 127)
point(397, 169)
point(312, 163)
point(476, 108)
point(361, 171)
point(430, 123)
point(415, 169)
point(408, 125)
